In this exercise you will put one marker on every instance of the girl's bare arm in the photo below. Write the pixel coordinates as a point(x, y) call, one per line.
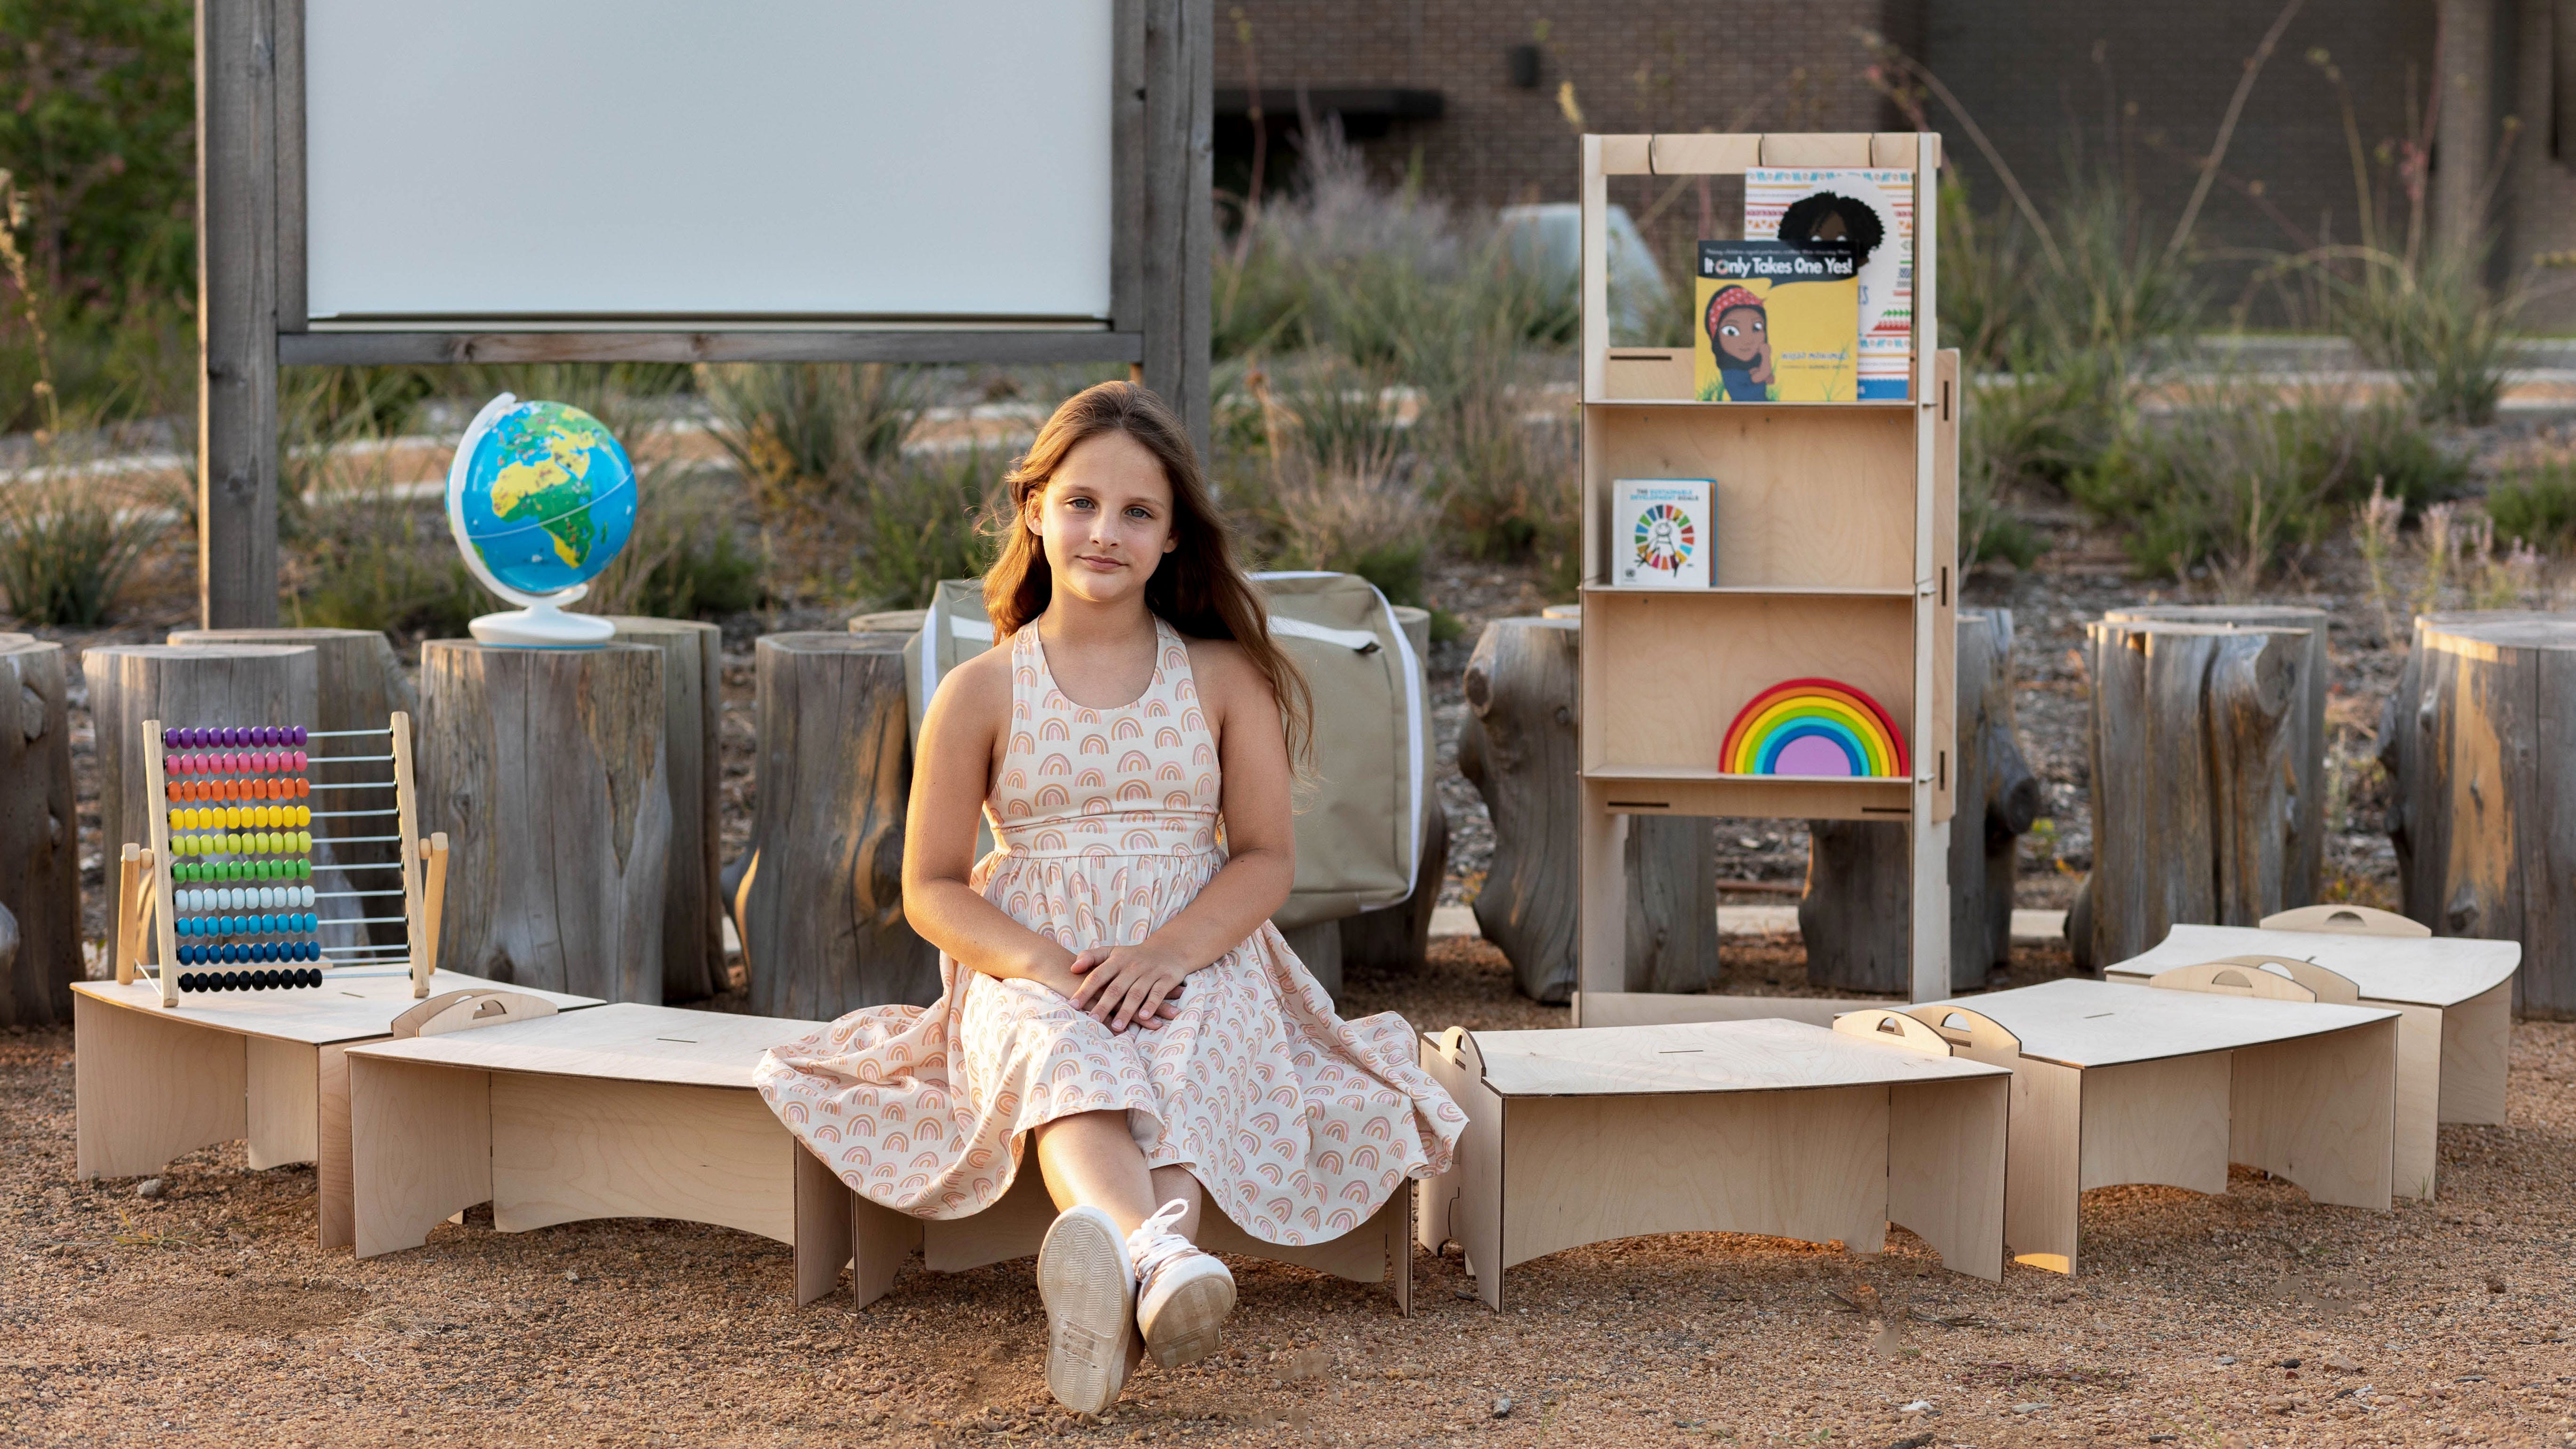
point(951, 772)
point(1130, 983)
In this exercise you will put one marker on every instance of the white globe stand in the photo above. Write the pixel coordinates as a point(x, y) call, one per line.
point(541, 623)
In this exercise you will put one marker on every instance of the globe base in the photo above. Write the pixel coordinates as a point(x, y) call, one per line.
point(543, 626)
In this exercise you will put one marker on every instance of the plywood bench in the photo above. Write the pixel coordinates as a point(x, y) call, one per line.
point(622, 1111)
point(2127, 1084)
point(1588, 1134)
point(2453, 997)
point(151, 1084)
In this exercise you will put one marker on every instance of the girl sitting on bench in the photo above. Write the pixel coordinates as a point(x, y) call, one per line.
point(1113, 985)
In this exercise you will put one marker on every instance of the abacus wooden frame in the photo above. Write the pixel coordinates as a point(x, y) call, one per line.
point(251, 275)
point(1870, 599)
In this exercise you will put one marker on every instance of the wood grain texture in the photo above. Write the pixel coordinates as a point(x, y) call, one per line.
point(420, 1149)
point(825, 1234)
point(1643, 709)
point(147, 1088)
point(2043, 1164)
point(621, 1042)
point(1857, 907)
point(880, 1240)
point(2431, 971)
point(2098, 1024)
point(231, 684)
point(565, 1149)
point(1947, 1145)
point(2201, 743)
point(284, 1099)
point(1703, 1057)
point(2479, 741)
point(2321, 1112)
point(335, 1205)
point(237, 246)
point(1178, 225)
point(342, 1010)
point(2477, 1041)
point(545, 769)
point(1796, 1164)
point(2160, 1121)
point(39, 835)
point(692, 711)
point(826, 932)
point(359, 684)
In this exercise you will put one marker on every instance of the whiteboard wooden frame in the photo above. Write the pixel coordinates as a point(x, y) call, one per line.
point(1875, 594)
point(251, 274)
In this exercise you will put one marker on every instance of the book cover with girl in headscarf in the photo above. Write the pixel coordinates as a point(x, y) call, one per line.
point(1777, 322)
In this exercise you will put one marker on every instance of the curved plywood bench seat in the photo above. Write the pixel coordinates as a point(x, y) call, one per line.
point(1767, 1126)
point(2349, 920)
point(2121, 1084)
point(152, 1083)
point(2453, 993)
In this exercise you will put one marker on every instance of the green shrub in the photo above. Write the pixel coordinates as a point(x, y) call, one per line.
point(2436, 323)
point(923, 521)
point(67, 550)
point(2537, 505)
point(685, 558)
point(809, 435)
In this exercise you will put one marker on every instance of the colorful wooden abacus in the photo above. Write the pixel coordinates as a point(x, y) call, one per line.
point(228, 881)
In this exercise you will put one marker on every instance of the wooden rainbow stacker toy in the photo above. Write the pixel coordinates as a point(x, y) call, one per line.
point(238, 1024)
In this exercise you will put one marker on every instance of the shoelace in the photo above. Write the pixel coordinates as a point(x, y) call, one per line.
point(1154, 1244)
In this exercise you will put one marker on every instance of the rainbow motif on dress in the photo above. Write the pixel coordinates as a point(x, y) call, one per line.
point(1813, 727)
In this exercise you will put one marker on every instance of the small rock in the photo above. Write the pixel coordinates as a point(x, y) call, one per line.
point(2225, 1359)
point(1919, 1406)
point(2340, 1364)
point(2495, 1284)
point(152, 1187)
point(1502, 1408)
point(2028, 1408)
point(1865, 1298)
point(571, 1277)
point(2287, 1363)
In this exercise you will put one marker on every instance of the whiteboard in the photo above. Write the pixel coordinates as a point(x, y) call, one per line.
point(604, 160)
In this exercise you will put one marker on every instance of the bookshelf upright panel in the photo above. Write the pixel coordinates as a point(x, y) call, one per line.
point(1836, 546)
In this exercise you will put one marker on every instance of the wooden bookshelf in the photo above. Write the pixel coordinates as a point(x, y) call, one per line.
point(1835, 556)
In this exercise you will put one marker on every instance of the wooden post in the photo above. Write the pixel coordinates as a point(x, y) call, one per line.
point(692, 710)
point(544, 767)
point(235, 684)
point(237, 312)
point(824, 926)
point(359, 684)
point(39, 834)
point(2199, 734)
point(2480, 746)
point(1179, 226)
point(1858, 898)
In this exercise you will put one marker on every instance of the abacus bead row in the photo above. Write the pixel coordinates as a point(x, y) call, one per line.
point(250, 980)
point(237, 817)
point(245, 898)
point(254, 842)
point(189, 874)
point(198, 739)
point(264, 951)
point(243, 762)
point(291, 923)
point(196, 792)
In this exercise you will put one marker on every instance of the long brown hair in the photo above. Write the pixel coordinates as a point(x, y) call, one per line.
point(1197, 588)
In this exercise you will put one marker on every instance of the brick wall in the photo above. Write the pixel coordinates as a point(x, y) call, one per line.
point(1635, 65)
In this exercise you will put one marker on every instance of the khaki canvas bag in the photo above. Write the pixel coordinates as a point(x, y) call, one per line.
point(1362, 815)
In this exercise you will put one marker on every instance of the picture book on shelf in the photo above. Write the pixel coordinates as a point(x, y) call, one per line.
point(1663, 532)
point(1874, 211)
point(1776, 322)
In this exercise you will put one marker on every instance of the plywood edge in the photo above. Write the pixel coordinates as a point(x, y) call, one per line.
point(1961, 1026)
point(1660, 1008)
point(2237, 976)
point(2345, 918)
point(1888, 1027)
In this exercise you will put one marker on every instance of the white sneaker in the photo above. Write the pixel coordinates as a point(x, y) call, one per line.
point(1089, 1287)
point(1182, 1293)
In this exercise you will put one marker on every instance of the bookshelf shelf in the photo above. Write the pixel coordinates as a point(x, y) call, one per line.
point(1831, 554)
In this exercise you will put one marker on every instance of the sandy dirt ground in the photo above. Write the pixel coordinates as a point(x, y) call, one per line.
point(205, 1315)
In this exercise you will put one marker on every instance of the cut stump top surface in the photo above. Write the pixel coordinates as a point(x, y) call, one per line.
point(1765, 1055)
point(335, 1011)
point(2080, 1023)
point(624, 1041)
point(2511, 628)
point(2418, 970)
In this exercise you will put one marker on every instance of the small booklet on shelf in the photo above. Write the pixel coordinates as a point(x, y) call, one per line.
point(1777, 322)
point(1874, 211)
point(1664, 532)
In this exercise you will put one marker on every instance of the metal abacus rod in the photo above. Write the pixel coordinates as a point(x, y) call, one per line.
point(254, 881)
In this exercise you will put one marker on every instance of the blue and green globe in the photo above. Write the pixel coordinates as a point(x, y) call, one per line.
point(545, 497)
